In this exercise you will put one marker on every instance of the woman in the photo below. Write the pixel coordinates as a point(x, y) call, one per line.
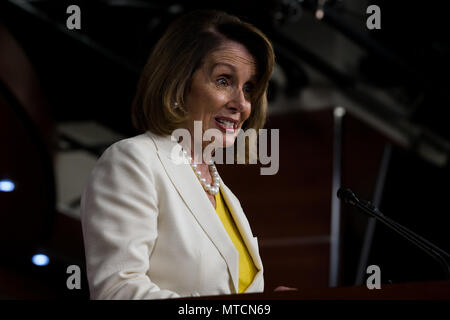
point(154, 228)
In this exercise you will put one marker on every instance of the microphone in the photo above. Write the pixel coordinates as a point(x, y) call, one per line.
point(349, 197)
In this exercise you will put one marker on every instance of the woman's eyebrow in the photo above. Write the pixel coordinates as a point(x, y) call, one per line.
point(218, 64)
point(253, 78)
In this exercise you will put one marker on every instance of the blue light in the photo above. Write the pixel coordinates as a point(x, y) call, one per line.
point(40, 259)
point(6, 185)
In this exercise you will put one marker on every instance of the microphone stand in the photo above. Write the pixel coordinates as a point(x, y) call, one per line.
point(367, 207)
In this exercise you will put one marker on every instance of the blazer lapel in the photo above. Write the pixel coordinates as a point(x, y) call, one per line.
point(191, 191)
point(243, 226)
point(246, 233)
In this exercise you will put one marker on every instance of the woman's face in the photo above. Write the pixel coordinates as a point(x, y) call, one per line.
point(220, 91)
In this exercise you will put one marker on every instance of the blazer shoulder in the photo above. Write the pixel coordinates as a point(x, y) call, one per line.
point(140, 148)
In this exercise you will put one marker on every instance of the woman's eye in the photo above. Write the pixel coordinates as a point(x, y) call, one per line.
point(222, 81)
point(248, 89)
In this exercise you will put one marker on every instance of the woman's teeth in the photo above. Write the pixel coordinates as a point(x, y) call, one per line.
point(226, 124)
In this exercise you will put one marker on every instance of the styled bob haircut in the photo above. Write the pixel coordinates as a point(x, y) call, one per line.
point(182, 49)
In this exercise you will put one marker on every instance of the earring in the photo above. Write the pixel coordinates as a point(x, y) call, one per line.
point(175, 105)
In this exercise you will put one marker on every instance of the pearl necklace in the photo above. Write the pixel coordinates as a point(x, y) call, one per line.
point(211, 189)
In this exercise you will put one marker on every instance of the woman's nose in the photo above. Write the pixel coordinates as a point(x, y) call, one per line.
point(239, 101)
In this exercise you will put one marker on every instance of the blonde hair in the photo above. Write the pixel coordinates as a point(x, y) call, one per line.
point(182, 49)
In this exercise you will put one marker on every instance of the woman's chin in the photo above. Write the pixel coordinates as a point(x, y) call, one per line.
point(229, 140)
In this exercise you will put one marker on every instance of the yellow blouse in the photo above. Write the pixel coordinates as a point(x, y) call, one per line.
point(247, 268)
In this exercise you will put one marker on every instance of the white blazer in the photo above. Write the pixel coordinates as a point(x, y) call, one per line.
point(150, 231)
